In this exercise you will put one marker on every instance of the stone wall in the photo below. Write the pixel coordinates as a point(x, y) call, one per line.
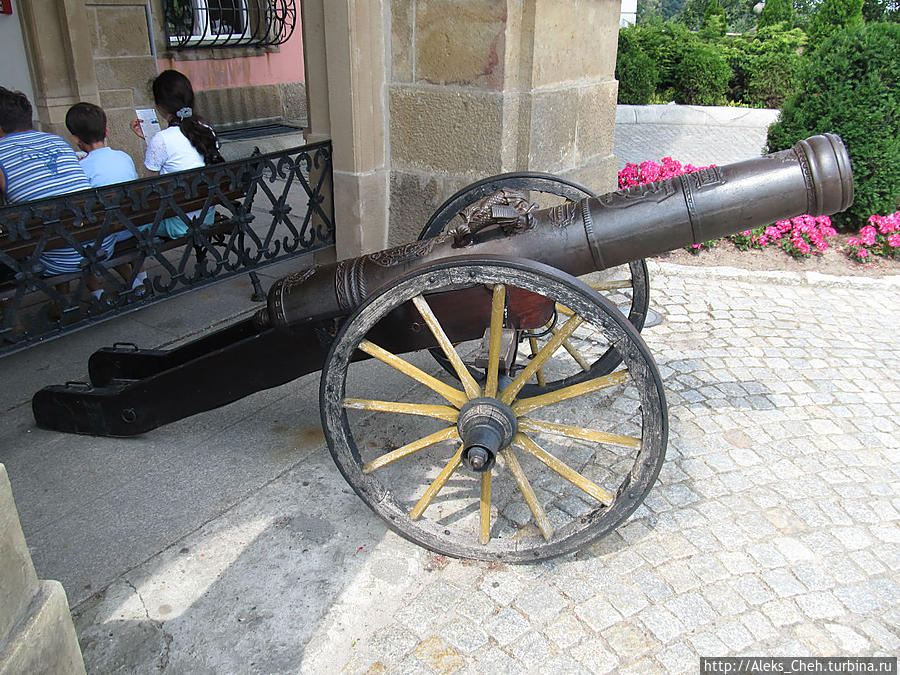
point(480, 87)
point(36, 630)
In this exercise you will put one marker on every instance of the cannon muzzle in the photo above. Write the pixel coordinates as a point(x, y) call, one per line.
point(813, 177)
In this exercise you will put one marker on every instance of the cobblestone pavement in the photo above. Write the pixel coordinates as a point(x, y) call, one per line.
point(774, 528)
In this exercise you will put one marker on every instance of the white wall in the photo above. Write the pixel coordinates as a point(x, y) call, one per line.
point(629, 13)
point(14, 73)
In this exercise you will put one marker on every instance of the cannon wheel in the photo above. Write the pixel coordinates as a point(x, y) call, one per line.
point(568, 476)
point(633, 276)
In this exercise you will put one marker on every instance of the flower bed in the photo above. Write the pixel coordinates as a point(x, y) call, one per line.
point(800, 237)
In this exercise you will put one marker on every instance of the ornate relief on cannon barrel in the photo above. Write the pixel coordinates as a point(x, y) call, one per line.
point(351, 284)
point(639, 194)
point(563, 214)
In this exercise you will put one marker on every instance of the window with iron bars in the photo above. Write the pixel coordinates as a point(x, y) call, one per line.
point(229, 23)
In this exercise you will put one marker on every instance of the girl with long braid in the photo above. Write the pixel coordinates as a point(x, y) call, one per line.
point(187, 143)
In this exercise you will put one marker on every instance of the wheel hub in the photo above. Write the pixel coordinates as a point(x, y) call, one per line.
point(486, 426)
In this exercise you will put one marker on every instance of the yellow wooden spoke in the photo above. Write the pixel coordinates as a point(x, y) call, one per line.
point(410, 448)
point(498, 303)
point(513, 388)
point(455, 396)
point(485, 507)
point(564, 470)
point(565, 311)
point(468, 382)
point(610, 284)
point(541, 426)
point(441, 412)
point(531, 499)
point(541, 380)
point(579, 359)
point(437, 485)
point(524, 405)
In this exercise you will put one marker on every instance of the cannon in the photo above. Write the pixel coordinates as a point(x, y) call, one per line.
point(545, 425)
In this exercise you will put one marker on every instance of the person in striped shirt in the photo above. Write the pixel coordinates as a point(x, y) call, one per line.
point(34, 165)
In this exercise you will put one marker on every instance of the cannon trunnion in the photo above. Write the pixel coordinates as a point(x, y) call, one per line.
point(546, 425)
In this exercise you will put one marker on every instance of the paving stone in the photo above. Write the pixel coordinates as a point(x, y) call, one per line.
point(629, 640)
point(751, 589)
point(541, 603)
point(597, 613)
point(496, 661)
point(759, 626)
point(679, 576)
point(430, 609)
point(466, 636)
point(848, 640)
point(734, 636)
point(692, 609)
point(722, 598)
point(783, 583)
point(707, 644)
point(392, 644)
point(678, 659)
point(655, 588)
point(565, 631)
point(820, 605)
point(475, 605)
point(506, 625)
point(562, 663)
point(439, 656)
point(664, 625)
point(532, 649)
point(782, 612)
point(502, 586)
point(627, 598)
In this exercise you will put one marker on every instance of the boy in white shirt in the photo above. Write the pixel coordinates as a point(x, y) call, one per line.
point(103, 165)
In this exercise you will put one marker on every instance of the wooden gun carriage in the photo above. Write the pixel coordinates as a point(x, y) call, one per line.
point(545, 425)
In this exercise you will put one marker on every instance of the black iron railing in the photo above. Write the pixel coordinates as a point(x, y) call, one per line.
point(267, 208)
point(229, 23)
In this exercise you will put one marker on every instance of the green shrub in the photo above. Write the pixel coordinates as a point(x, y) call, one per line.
point(773, 60)
point(771, 79)
point(701, 78)
point(665, 44)
point(776, 11)
point(636, 72)
point(852, 88)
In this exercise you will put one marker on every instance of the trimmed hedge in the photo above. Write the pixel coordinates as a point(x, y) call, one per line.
point(852, 88)
point(701, 77)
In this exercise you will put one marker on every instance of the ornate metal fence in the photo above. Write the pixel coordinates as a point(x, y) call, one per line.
point(241, 216)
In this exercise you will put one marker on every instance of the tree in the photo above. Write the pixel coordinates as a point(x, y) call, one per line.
point(776, 11)
point(881, 10)
point(714, 22)
point(834, 14)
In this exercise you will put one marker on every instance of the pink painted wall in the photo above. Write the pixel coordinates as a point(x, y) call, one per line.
point(286, 65)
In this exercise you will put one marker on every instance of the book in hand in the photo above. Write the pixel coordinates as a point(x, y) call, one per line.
point(149, 122)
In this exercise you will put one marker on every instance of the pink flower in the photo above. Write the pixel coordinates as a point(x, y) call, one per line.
point(893, 240)
point(867, 235)
point(746, 233)
point(862, 253)
point(853, 241)
point(763, 240)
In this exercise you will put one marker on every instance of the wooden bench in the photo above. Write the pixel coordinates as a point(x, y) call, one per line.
point(292, 215)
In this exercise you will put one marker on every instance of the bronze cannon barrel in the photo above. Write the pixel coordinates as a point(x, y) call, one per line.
point(813, 177)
